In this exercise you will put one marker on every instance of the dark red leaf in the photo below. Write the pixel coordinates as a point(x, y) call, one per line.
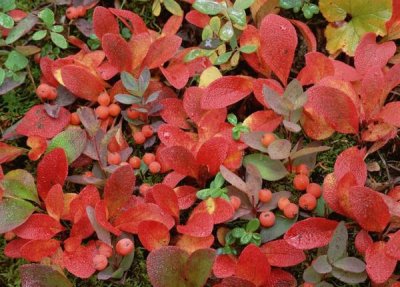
point(190, 243)
point(198, 19)
point(307, 34)
point(131, 20)
point(213, 153)
point(281, 254)
point(13, 248)
point(279, 278)
point(180, 160)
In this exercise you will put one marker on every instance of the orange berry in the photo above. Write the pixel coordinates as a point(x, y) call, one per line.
point(103, 99)
point(283, 202)
point(291, 210)
point(135, 162)
point(235, 202)
point(147, 131)
point(124, 246)
point(100, 262)
point(88, 174)
point(132, 113)
point(302, 169)
point(314, 189)
point(265, 195)
point(46, 92)
point(9, 235)
point(301, 181)
point(74, 119)
point(154, 167)
point(105, 250)
point(139, 137)
point(306, 284)
point(102, 112)
point(71, 13)
point(395, 193)
point(267, 218)
point(148, 158)
point(267, 139)
point(307, 201)
point(80, 11)
point(144, 188)
point(114, 110)
point(114, 158)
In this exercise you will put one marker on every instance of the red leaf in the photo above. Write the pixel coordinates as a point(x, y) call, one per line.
point(307, 34)
point(176, 74)
point(131, 20)
point(226, 91)
point(75, 77)
point(343, 194)
point(393, 25)
point(104, 22)
point(9, 153)
point(36, 250)
point(37, 122)
point(369, 209)
point(192, 103)
point(39, 226)
point(118, 189)
point(318, 66)
point(173, 113)
point(51, 170)
point(253, 266)
point(166, 199)
point(180, 160)
point(335, 107)
point(38, 146)
point(280, 254)
point(310, 233)
point(379, 266)
point(13, 248)
point(393, 246)
point(363, 241)
point(197, 19)
point(117, 51)
point(172, 26)
point(172, 179)
point(220, 209)
point(373, 91)
point(173, 136)
point(153, 234)
point(102, 217)
point(265, 121)
point(55, 202)
point(213, 153)
point(210, 124)
point(370, 54)
point(345, 72)
point(190, 243)
point(199, 224)
point(251, 36)
point(234, 282)
point(224, 266)
point(351, 160)
point(80, 262)
point(279, 278)
point(315, 126)
point(389, 114)
point(161, 51)
point(47, 73)
point(278, 44)
point(129, 220)
point(186, 195)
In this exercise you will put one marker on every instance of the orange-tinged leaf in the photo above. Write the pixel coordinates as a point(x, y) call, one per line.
point(101, 213)
point(308, 35)
point(318, 66)
point(315, 126)
point(176, 74)
point(36, 250)
point(281, 254)
point(197, 19)
point(117, 51)
point(373, 91)
point(266, 121)
point(342, 191)
point(190, 243)
point(131, 20)
point(153, 234)
point(278, 44)
point(389, 114)
point(13, 248)
point(224, 266)
point(226, 91)
point(104, 22)
point(220, 209)
point(351, 160)
point(9, 153)
point(199, 224)
point(39, 227)
point(210, 124)
point(393, 25)
point(161, 50)
point(173, 113)
point(171, 27)
point(55, 201)
point(166, 199)
point(38, 146)
point(379, 266)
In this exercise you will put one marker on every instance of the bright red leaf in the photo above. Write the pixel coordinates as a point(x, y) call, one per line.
point(55, 202)
point(36, 250)
point(379, 266)
point(39, 227)
point(161, 50)
point(190, 243)
point(80, 262)
point(166, 199)
point(281, 254)
point(224, 266)
point(153, 234)
point(117, 51)
point(199, 224)
point(104, 22)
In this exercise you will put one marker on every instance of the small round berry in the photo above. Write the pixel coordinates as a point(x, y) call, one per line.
point(100, 262)
point(71, 13)
point(36, 58)
point(267, 139)
point(235, 202)
point(265, 195)
point(301, 181)
point(74, 119)
point(314, 189)
point(105, 250)
point(114, 158)
point(132, 113)
point(124, 246)
point(267, 218)
point(154, 167)
point(147, 131)
point(144, 188)
point(103, 99)
point(291, 210)
point(88, 174)
point(46, 92)
point(114, 110)
point(9, 235)
point(80, 11)
point(307, 284)
point(302, 169)
point(148, 158)
point(135, 162)
point(139, 137)
point(102, 112)
point(307, 201)
point(283, 202)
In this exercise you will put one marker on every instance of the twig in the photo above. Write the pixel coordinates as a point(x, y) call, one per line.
point(386, 168)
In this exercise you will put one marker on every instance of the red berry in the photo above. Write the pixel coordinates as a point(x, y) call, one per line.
point(124, 246)
point(306, 284)
point(307, 201)
point(267, 139)
point(314, 189)
point(291, 210)
point(265, 195)
point(46, 92)
point(139, 137)
point(283, 202)
point(144, 188)
point(102, 112)
point(147, 131)
point(135, 162)
point(148, 158)
point(9, 235)
point(114, 110)
point(267, 218)
point(114, 158)
point(302, 169)
point(103, 99)
point(235, 202)
point(105, 250)
point(74, 119)
point(154, 167)
point(100, 262)
point(132, 113)
point(301, 181)
point(80, 11)
point(71, 13)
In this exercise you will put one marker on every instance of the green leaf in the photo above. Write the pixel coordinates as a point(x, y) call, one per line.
point(14, 212)
point(173, 7)
point(242, 4)
point(19, 183)
point(282, 224)
point(43, 276)
point(311, 276)
point(222, 59)
point(2, 76)
point(215, 24)
point(248, 49)
point(59, 40)
point(226, 32)
point(198, 267)
point(253, 225)
point(238, 232)
point(7, 5)
point(193, 54)
point(246, 238)
point(127, 99)
point(338, 245)
point(129, 82)
point(47, 16)
point(57, 28)
point(203, 193)
point(232, 119)
point(72, 140)
point(16, 61)
point(39, 35)
point(218, 181)
point(6, 21)
point(350, 264)
point(237, 17)
point(321, 265)
point(269, 169)
point(349, 277)
point(236, 133)
point(209, 7)
point(143, 81)
point(23, 27)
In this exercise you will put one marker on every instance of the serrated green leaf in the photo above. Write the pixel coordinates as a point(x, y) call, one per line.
point(209, 7)
point(6, 21)
point(16, 61)
point(23, 27)
point(173, 7)
point(242, 4)
point(39, 35)
point(47, 16)
point(59, 40)
point(269, 169)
